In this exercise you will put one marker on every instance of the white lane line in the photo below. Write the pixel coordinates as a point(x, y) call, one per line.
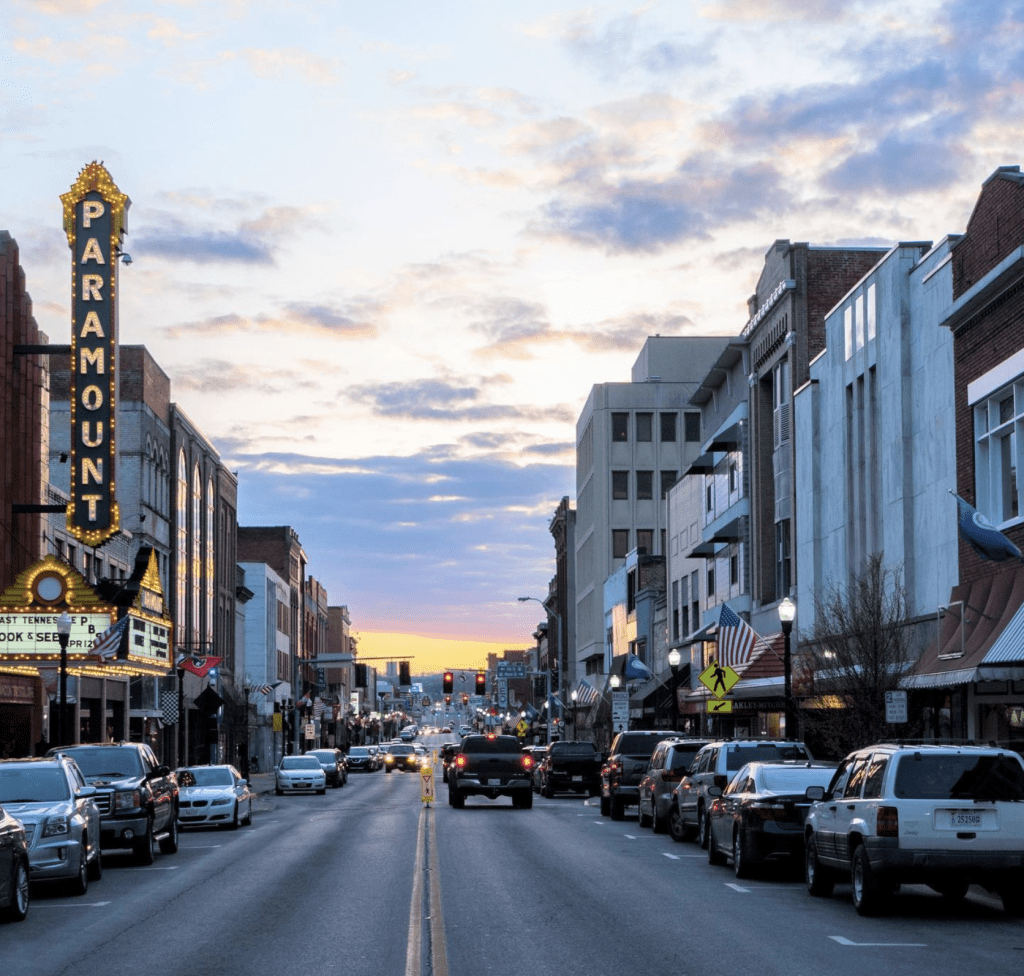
point(71, 904)
point(675, 857)
point(847, 942)
point(739, 888)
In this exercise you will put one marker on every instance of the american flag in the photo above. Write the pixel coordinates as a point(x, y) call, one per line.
point(106, 645)
point(586, 693)
point(266, 689)
point(736, 638)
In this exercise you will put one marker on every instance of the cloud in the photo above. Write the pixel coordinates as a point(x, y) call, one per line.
point(899, 164)
point(203, 247)
point(221, 376)
point(295, 319)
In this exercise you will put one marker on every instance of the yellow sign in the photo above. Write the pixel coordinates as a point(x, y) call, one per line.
point(523, 727)
point(718, 679)
point(427, 784)
point(278, 720)
point(719, 707)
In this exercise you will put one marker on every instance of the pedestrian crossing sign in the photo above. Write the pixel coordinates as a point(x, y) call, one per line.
point(718, 679)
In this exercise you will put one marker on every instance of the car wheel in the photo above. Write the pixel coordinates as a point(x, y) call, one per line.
point(740, 864)
point(456, 799)
point(234, 819)
point(169, 844)
point(1013, 902)
point(142, 849)
point(321, 792)
point(548, 792)
point(279, 791)
point(18, 908)
point(524, 800)
point(79, 884)
point(678, 830)
point(703, 827)
point(387, 769)
point(617, 808)
point(820, 880)
point(96, 866)
point(715, 856)
point(247, 819)
point(868, 896)
point(642, 818)
point(658, 824)
point(606, 806)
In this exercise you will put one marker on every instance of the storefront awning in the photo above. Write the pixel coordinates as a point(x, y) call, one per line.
point(980, 635)
point(704, 464)
point(727, 440)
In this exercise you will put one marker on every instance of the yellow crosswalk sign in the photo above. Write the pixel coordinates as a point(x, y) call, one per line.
point(718, 679)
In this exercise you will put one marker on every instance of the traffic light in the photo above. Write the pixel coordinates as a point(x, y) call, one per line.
point(448, 682)
point(447, 699)
point(360, 675)
point(465, 699)
point(403, 673)
point(481, 683)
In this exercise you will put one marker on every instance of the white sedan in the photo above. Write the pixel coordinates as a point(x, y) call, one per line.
point(300, 774)
point(213, 796)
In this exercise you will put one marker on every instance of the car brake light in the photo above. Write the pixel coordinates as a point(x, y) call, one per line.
point(527, 762)
point(888, 823)
point(461, 760)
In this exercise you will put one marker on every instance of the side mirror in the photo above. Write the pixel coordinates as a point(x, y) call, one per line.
point(159, 771)
point(714, 791)
point(817, 793)
point(86, 791)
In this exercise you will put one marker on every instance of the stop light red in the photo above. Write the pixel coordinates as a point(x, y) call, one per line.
point(449, 682)
point(481, 683)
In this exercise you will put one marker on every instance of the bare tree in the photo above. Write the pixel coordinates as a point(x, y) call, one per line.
point(858, 651)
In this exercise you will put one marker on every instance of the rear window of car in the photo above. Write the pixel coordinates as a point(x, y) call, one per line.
point(499, 744)
point(738, 756)
point(959, 777)
point(632, 744)
point(573, 749)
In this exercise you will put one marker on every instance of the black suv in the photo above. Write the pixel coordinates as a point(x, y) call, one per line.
point(627, 762)
point(136, 795)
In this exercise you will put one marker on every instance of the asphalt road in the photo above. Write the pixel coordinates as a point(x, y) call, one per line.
point(368, 881)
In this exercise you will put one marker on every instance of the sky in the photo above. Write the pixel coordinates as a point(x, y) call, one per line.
point(384, 250)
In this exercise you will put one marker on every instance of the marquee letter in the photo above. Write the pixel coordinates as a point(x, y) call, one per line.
point(92, 398)
point(92, 469)
point(92, 500)
point(91, 285)
point(91, 357)
point(87, 439)
point(92, 252)
point(90, 209)
point(92, 326)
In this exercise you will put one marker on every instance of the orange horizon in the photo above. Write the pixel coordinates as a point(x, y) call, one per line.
point(429, 655)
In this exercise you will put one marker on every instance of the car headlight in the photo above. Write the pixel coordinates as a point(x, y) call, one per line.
point(220, 803)
point(127, 800)
point(57, 827)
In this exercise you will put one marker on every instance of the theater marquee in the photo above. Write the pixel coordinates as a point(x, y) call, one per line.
point(95, 213)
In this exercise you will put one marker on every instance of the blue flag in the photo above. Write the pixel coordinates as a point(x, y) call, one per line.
point(985, 539)
point(635, 668)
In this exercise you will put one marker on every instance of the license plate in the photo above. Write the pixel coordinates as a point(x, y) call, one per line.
point(492, 782)
point(959, 819)
point(577, 779)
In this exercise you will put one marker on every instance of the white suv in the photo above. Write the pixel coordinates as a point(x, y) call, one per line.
point(944, 816)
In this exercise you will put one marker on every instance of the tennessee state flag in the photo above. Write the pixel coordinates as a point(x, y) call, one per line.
point(199, 665)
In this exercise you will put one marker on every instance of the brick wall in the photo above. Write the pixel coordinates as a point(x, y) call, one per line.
point(24, 428)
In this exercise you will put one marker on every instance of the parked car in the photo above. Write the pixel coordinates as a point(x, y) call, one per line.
point(299, 774)
point(334, 765)
point(14, 869)
point(715, 765)
point(448, 753)
point(61, 820)
point(213, 796)
point(760, 814)
point(944, 816)
point(628, 756)
point(670, 761)
point(137, 796)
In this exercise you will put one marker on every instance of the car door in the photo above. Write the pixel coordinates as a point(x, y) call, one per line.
point(87, 809)
point(825, 811)
point(727, 811)
point(849, 808)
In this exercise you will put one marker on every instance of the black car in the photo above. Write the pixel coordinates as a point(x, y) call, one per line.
point(14, 886)
point(360, 760)
point(448, 753)
point(334, 765)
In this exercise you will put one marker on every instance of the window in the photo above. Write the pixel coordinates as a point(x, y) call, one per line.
point(645, 484)
point(668, 479)
point(996, 423)
point(783, 568)
point(620, 543)
point(645, 540)
point(734, 477)
point(780, 403)
point(181, 569)
point(645, 426)
point(210, 509)
point(875, 775)
point(620, 426)
point(709, 496)
point(620, 484)
point(734, 570)
point(870, 311)
point(668, 427)
point(711, 579)
point(692, 421)
point(848, 331)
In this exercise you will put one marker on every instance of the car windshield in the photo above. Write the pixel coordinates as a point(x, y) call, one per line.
point(359, 751)
point(300, 762)
point(33, 785)
point(793, 779)
point(205, 777)
point(398, 750)
point(107, 762)
point(959, 777)
point(769, 752)
point(573, 749)
point(324, 757)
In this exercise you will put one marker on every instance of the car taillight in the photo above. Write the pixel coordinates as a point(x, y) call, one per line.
point(527, 762)
point(888, 823)
point(461, 761)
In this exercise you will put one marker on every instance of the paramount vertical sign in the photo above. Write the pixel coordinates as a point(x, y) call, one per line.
point(95, 212)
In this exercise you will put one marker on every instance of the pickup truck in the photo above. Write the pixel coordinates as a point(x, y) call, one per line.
point(492, 766)
point(571, 767)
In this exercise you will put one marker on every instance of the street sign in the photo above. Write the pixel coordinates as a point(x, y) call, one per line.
point(718, 679)
point(511, 669)
point(310, 732)
point(896, 707)
point(620, 711)
point(719, 707)
point(427, 784)
point(522, 727)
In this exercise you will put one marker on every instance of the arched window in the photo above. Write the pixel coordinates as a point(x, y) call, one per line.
point(182, 556)
point(197, 549)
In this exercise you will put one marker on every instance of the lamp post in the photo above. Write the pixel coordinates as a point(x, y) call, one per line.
point(63, 633)
point(574, 735)
point(558, 652)
point(787, 611)
point(674, 657)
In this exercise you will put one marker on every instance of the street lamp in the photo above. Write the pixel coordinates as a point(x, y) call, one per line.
point(674, 657)
point(615, 681)
point(558, 653)
point(574, 735)
point(63, 633)
point(787, 611)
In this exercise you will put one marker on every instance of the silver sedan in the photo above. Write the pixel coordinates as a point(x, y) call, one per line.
point(300, 774)
point(214, 796)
